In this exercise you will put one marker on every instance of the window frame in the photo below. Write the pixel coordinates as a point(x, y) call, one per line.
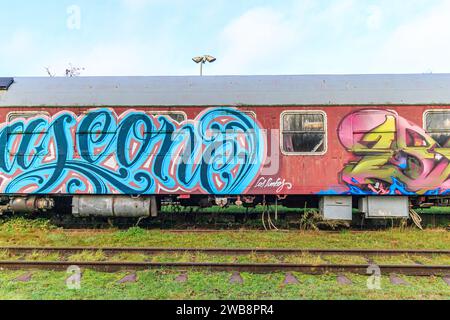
point(33, 113)
point(249, 113)
point(167, 113)
point(21, 113)
point(303, 112)
point(424, 120)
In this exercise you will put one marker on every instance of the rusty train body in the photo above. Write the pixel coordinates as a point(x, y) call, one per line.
point(120, 146)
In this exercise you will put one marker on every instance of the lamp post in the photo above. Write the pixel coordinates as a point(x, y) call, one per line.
point(203, 60)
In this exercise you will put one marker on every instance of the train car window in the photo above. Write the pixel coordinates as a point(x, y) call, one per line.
point(177, 116)
point(24, 115)
point(34, 134)
point(303, 133)
point(14, 116)
point(437, 125)
point(251, 117)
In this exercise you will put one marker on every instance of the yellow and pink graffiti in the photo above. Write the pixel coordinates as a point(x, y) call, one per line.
point(394, 156)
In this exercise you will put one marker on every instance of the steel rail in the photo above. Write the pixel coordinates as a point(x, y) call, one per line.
point(412, 270)
point(223, 251)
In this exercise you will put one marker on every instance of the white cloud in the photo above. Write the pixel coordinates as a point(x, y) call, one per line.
point(345, 36)
point(111, 60)
point(114, 59)
point(335, 39)
point(337, 14)
point(421, 45)
point(374, 18)
point(135, 5)
point(261, 35)
point(295, 39)
point(20, 42)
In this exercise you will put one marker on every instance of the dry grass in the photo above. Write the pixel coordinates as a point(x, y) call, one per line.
point(436, 260)
point(42, 256)
point(88, 256)
point(337, 259)
point(304, 258)
point(394, 260)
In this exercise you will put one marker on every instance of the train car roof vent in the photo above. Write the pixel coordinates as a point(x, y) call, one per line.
point(5, 83)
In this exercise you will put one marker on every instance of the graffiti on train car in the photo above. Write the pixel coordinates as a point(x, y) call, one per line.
point(220, 152)
point(393, 156)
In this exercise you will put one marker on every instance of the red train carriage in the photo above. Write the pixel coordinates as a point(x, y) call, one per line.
point(119, 146)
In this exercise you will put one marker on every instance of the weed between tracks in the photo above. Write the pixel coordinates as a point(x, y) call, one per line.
point(161, 285)
point(336, 259)
point(88, 256)
point(305, 258)
point(22, 232)
point(203, 285)
point(41, 256)
point(408, 259)
point(434, 260)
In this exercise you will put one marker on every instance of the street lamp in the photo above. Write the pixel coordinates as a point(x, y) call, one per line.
point(202, 60)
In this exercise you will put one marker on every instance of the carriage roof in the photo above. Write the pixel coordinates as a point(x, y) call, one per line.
point(226, 90)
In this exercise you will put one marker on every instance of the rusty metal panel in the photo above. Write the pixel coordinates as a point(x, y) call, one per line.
point(357, 162)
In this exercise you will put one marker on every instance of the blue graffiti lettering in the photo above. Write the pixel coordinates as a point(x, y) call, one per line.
point(219, 152)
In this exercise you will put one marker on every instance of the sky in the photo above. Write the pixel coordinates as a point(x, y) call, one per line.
point(160, 37)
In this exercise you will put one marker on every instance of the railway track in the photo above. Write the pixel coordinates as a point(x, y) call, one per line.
point(108, 266)
point(114, 266)
point(228, 251)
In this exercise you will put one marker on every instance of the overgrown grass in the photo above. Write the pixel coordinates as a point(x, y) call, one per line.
point(21, 232)
point(21, 224)
point(88, 256)
point(394, 260)
point(42, 256)
point(337, 259)
point(437, 260)
point(161, 285)
point(230, 209)
point(305, 258)
point(435, 210)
